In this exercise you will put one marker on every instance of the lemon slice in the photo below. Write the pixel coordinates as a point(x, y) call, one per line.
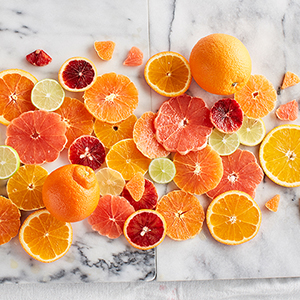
point(224, 143)
point(252, 131)
point(9, 162)
point(162, 170)
point(47, 94)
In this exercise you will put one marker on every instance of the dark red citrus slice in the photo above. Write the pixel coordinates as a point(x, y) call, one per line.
point(39, 58)
point(110, 215)
point(145, 229)
point(227, 115)
point(240, 172)
point(38, 136)
point(148, 200)
point(88, 151)
point(183, 124)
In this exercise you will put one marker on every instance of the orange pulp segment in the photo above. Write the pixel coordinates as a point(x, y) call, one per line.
point(136, 186)
point(288, 111)
point(273, 203)
point(105, 49)
point(134, 57)
point(289, 79)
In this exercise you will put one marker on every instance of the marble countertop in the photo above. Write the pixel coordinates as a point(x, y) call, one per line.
point(270, 31)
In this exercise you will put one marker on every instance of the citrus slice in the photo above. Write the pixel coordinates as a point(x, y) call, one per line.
point(257, 98)
point(233, 218)
point(145, 138)
point(240, 172)
point(9, 161)
point(252, 131)
point(77, 74)
point(38, 136)
point(168, 73)
point(24, 188)
point(288, 111)
point(77, 119)
point(273, 203)
point(125, 158)
point(183, 213)
point(105, 49)
point(147, 201)
point(9, 220)
point(112, 98)
point(279, 155)
point(45, 238)
point(110, 215)
point(162, 170)
point(110, 181)
point(136, 186)
point(47, 94)
point(199, 171)
point(109, 134)
point(145, 229)
point(134, 57)
point(39, 58)
point(224, 143)
point(15, 93)
point(183, 124)
point(289, 79)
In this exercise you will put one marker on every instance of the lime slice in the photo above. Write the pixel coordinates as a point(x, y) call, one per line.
point(47, 94)
point(110, 182)
point(9, 162)
point(162, 170)
point(252, 131)
point(224, 143)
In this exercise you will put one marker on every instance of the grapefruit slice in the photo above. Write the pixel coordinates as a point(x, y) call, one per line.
point(38, 136)
point(183, 124)
point(288, 111)
point(134, 57)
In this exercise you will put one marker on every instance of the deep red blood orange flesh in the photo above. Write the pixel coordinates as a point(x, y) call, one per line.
point(183, 124)
point(39, 58)
point(88, 151)
point(38, 136)
point(240, 172)
point(110, 215)
point(227, 115)
point(148, 200)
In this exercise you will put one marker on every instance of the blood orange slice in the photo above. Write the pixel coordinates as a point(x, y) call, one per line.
point(38, 136)
point(77, 74)
point(134, 57)
point(39, 58)
point(241, 172)
point(183, 124)
point(288, 111)
point(110, 215)
point(88, 151)
point(145, 229)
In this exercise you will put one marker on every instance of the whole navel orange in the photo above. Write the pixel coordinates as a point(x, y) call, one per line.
point(220, 64)
point(71, 193)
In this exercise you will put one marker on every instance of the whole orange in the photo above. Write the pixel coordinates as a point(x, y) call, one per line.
point(71, 193)
point(220, 64)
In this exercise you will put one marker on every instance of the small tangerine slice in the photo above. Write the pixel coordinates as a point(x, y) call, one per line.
point(9, 220)
point(105, 49)
point(183, 213)
point(289, 80)
point(240, 172)
point(199, 171)
point(134, 57)
point(125, 158)
point(148, 200)
point(109, 134)
point(273, 203)
point(136, 186)
point(112, 98)
point(45, 238)
point(24, 188)
point(257, 98)
point(77, 119)
point(145, 138)
point(183, 124)
point(233, 218)
point(110, 215)
point(288, 111)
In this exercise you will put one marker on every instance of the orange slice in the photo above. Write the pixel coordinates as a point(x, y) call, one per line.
point(136, 186)
point(15, 93)
point(289, 79)
point(125, 158)
point(183, 213)
point(112, 98)
point(134, 57)
point(233, 218)
point(168, 73)
point(44, 237)
point(288, 111)
point(105, 49)
point(273, 203)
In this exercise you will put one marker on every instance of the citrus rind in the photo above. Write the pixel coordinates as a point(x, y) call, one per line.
point(162, 170)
